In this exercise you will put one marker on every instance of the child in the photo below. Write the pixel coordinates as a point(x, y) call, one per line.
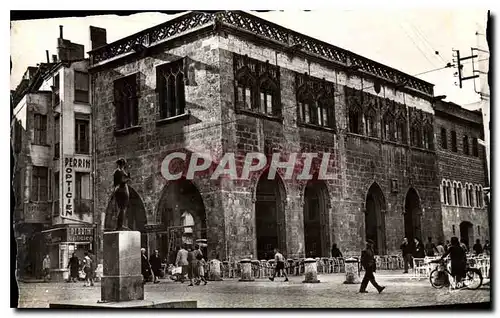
point(201, 271)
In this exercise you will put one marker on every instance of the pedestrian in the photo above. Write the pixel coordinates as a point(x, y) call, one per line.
point(368, 263)
point(336, 251)
point(46, 268)
point(440, 249)
point(419, 249)
point(447, 246)
point(191, 259)
point(280, 265)
point(430, 248)
point(145, 266)
point(87, 269)
point(181, 261)
point(155, 262)
point(463, 245)
point(199, 270)
point(458, 259)
point(407, 255)
point(487, 247)
point(73, 265)
point(478, 249)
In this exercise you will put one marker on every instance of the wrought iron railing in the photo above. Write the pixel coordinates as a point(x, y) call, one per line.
point(246, 22)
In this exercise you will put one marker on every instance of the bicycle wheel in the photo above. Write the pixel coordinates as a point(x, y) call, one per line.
point(437, 279)
point(473, 278)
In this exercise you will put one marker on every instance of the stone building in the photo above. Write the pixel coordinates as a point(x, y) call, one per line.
point(230, 82)
point(462, 172)
point(52, 181)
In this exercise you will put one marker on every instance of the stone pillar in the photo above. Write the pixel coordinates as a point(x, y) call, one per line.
point(246, 271)
point(122, 279)
point(351, 271)
point(310, 271)
point(215, 270)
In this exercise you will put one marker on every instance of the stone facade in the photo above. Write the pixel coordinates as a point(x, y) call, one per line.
point(399, 177)
point(457, 167)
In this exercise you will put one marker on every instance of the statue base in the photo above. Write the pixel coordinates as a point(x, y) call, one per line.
point(122, 278)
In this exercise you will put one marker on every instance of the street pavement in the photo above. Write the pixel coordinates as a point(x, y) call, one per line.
point(401, 291)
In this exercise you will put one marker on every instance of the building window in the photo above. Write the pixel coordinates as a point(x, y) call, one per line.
point(466, 145)
point(55, 89)
point(306, 107)
point(257, 86)
point(18, 136)
point(444, 140)
point(448, 192)
point(40, 129)
point(479, 196)
point(428, 137)
point(454, 141)
point(126, 102)
point(354, 120)
point(401, 130)
point(475, 147)
point(444, 193)
point(478, 230)
point(471, 196)
point(39, 184)
point(171, 89)
point(82, 192)
point(82, 140)
point(57, 136)
point(459, 194)
point(416, 136)
point(187, 221)
point(455, 193)
point(55, 197)
point(370, 123)
point(389, 127)
point(81, 87)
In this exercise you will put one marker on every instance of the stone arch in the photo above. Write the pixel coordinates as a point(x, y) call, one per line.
point(375, 210)
point(270, 223)
point(316, 210)
point(466, 233)
point(412, 215)
point(179, 200)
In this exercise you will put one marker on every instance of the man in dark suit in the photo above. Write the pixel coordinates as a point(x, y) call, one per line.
point(368, 263)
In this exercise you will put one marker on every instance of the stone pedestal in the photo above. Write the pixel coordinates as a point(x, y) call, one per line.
point(352, 271)
point(215, 270)
point(310, 271)
point(122, 279)
point(246, 271)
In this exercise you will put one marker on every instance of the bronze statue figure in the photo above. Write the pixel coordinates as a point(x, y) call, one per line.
point(121, 177)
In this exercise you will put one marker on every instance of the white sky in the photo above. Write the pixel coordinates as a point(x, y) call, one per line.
point(404, 39)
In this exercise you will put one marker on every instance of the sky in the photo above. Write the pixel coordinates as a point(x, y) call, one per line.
point(405, 39)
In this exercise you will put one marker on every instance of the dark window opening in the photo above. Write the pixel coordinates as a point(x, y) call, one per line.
point(444, 140)
point(416, 137)
point(57, 136)
point(56, 85)
point(171, 89)
point(475, 147)
point(268, 101)
point(40, 129)
point(126, 102)
point(82, 138)
point(81, 87)
point(454, 141)
point(429, 138)
point(370, 125)
point(465, 141)
point(354, 120)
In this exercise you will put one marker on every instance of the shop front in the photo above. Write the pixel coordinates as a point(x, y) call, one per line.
point(62, 242)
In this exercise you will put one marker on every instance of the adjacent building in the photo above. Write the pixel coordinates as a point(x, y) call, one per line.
point(463, 172)
point(51, 139)
point(230, 82)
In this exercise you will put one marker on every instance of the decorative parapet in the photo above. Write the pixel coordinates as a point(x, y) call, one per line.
point(246, 22)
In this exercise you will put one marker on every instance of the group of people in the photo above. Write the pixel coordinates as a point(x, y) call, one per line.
point(418, 250)
point(192, 264)
point(87, 265)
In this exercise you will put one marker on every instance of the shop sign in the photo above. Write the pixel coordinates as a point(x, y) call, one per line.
point(80, 234)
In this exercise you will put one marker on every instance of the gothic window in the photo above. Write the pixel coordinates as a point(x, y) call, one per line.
point(257, 86)
point(307, 107)
point(455, 193)
point(401, 129)
point(479, 196)
point(187, 221)
point(459, 194)
point(428, 137)
point(315, 101)
point(444, 192)
point(389, 127)
point(448, 192)
point(416, 136)
point(171, 91)
point(126, 102)
point(370, 123)
point(471, 195)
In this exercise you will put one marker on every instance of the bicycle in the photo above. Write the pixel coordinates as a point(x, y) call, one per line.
point(439, 277)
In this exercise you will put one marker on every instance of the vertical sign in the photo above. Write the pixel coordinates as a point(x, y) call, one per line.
point(68, 187)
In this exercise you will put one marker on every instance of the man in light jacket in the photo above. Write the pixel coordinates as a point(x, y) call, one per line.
point(182, 261)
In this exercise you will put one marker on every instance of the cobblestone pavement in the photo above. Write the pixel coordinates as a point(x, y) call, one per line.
point(401, 291)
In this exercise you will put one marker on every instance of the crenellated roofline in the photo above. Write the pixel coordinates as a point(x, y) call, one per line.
point(240, 21)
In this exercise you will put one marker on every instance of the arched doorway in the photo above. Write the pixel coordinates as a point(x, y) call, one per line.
point(182, 218)
point(316, 223)
point(467, 233)
point(412, 215)
point(375, 218)
point(270, 216)
point(136, 215)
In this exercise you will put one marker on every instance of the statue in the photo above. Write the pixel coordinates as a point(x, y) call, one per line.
point(120, 179)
